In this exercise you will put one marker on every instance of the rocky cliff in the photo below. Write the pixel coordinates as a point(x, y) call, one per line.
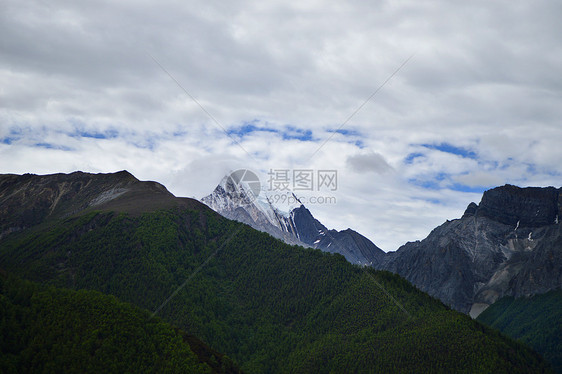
point(508, 245)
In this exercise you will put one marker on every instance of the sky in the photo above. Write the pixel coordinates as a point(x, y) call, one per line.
point(418, 106)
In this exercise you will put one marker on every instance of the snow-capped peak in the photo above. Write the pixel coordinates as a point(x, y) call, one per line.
point(282, 215)
point(236, 197)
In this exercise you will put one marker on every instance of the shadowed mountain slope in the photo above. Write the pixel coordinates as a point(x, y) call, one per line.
point(508, 245)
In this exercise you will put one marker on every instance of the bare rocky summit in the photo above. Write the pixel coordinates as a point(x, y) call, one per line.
point(508, 245)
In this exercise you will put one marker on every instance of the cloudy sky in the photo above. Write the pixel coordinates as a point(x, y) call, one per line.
point(182, 92)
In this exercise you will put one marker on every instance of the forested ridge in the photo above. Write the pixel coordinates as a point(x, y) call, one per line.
point(270, 306)
point(536, 321)
point(44, 329)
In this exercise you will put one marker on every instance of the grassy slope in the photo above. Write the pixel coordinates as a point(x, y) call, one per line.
point(270, 306)
point(536, 321)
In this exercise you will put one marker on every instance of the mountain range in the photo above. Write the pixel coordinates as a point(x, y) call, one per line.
point(509, 244)
point(298, 226)
point(268, 305)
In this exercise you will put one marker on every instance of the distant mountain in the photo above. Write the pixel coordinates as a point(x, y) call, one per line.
point(270, 306)
point(508, 245)
point(231, 199)
point(356, 248)
point(534, 320)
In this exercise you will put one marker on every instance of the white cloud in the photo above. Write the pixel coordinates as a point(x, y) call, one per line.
point(79, 90)
point(479, 179)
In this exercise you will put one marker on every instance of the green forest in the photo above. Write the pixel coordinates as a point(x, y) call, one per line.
point(536, 321)
point(44, 329)
point(269, 306)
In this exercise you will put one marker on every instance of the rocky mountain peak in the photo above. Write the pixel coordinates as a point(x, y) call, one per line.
point(508, 245)
point(27, 200)
point(530, 206)
point(470, 210)
point(295, 226)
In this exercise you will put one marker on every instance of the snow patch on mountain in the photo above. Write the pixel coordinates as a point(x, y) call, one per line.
point(293, 224)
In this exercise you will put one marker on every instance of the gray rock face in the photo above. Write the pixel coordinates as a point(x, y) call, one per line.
point(509, 244)
point(532, 206)
point(356, 248)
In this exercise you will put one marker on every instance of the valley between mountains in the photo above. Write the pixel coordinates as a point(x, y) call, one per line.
point(225, 287)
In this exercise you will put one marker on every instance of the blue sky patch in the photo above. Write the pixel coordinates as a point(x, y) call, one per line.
point(431, 184)
point(346, 132)
point(359, 143)
point(248, 128)
point(53, 146)
point(427, 184)
point(464, 188)
point(179, 133)
point(434, 184)
point(531, 168)
point(296, 133)
point(8, 140)
point(412, 156)
point(149, 142)
point(353, 133)
point(108, 134)
point(287, 133)
point(14, 135)
point(449, 148)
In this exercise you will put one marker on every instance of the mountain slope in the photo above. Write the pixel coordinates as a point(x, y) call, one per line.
point(45, 329)
point(28, 200)
point(233, 200)
point(508, 245)
point(535, 320)
point(298, 226)
point(270, 306)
